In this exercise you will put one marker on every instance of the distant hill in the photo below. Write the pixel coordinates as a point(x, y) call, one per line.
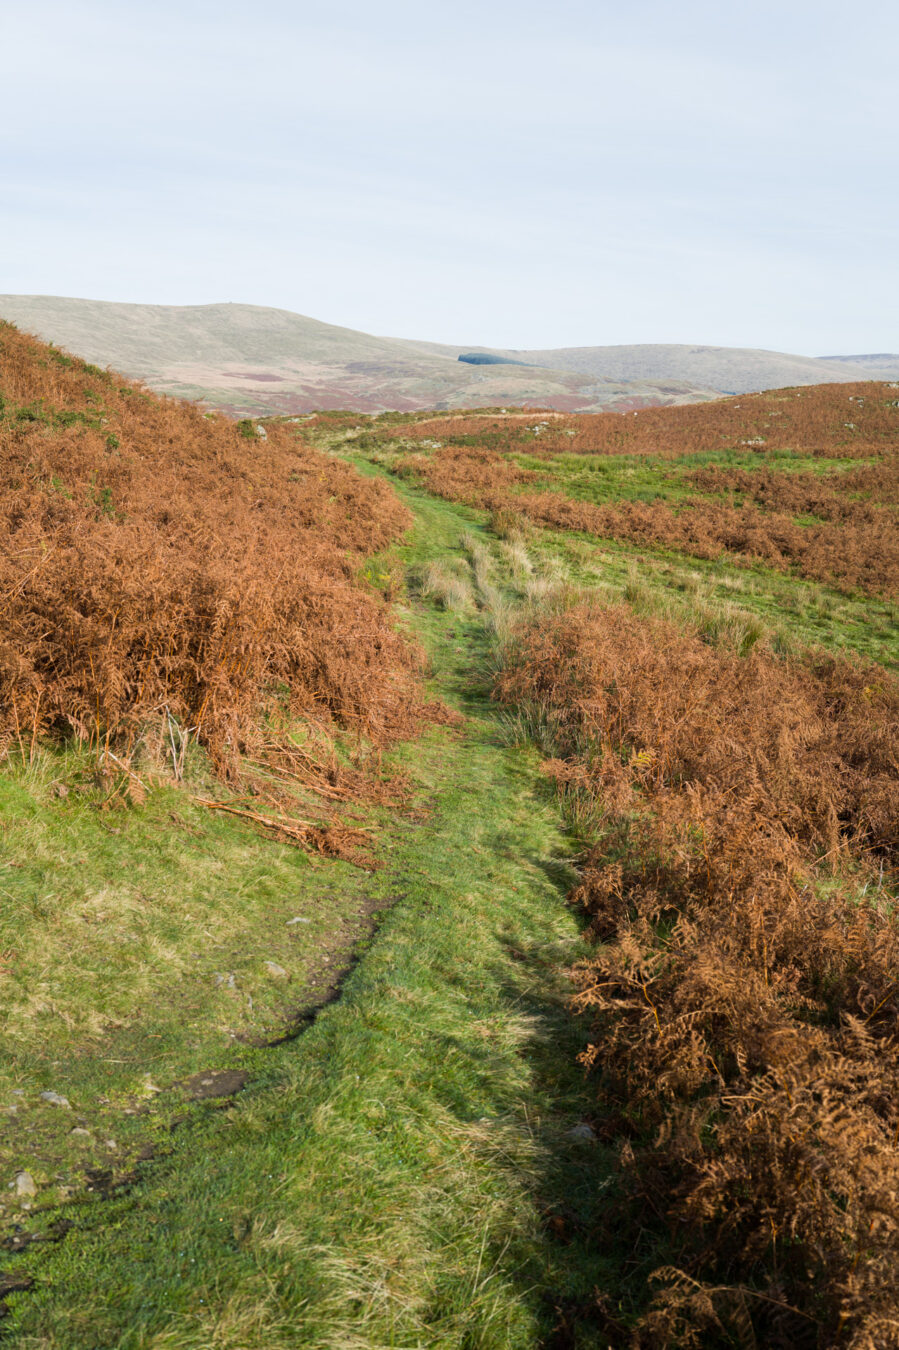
point(251, 359)
point(879, 365)
point(729, 370)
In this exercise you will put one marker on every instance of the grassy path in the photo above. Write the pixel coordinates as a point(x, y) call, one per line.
point(399, 1175)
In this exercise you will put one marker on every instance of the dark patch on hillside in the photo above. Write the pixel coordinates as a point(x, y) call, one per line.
point(488, 359)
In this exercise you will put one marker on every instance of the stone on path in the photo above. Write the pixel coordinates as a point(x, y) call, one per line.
point(25, 1184)
point(55, 1100)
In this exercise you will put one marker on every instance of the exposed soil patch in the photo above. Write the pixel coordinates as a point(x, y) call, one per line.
point(12, 1284)
point(203, 1087)
point(19, 1240)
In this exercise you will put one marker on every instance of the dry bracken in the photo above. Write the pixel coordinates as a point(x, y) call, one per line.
point(745, 989)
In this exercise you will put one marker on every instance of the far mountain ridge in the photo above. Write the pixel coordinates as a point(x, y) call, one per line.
point(255, 360)
point(879, 365)
point(729, 370)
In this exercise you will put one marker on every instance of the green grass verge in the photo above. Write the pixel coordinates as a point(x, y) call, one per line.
point(140, 945)
point(714, 593)
point(401, 1174)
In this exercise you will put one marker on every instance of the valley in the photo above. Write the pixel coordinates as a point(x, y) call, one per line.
point(448, 871)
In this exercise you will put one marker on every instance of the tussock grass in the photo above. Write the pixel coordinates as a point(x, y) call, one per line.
point(514, 553)
point(446, 587)
point(481, 559)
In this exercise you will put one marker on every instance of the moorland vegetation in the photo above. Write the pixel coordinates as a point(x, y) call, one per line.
point(707, 486)
point(630, 597)
point(162, 566)
point(741, 812)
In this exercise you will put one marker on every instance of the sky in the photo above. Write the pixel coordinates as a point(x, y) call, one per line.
point(501, 174)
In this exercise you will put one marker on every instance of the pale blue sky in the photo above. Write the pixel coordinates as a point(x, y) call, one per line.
point(507, 174)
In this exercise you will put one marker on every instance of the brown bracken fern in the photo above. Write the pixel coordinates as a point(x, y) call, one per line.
point(156, 561)
point(744, 992)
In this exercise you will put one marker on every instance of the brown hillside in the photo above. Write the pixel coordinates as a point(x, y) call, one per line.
point(155, 557)
point(757, 515)
point(848, 420)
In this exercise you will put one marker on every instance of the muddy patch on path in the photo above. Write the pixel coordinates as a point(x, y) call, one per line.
point(328, 972)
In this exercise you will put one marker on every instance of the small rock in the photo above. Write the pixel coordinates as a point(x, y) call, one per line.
point(277, 972)
point(55, 1100)
point(80, 1132)
point(216, 1083)
point(583, 1131)
point(25, 1184)
point(291, 922)
point(110, 1144)
point(224, 981)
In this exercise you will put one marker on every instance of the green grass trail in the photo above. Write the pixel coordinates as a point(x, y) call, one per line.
point(794, 611)
point(401, 1174)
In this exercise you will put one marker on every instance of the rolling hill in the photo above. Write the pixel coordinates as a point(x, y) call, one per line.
point(251, 359)
point(728, 370)
point(879, 365)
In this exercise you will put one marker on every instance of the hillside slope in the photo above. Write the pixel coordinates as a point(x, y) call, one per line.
point(704, 479)
point(879, 365)
point(215, 1133)
point(251, 359)
point(729, 370)
point(156, 558)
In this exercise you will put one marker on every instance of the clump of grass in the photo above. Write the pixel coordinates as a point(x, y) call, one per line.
point(480, 558)
point(820, 604)
point(725, 625)
point(516, 557)
point(499, 612)
point(445, 587)
point(638, 594)
point(539, 592)
point(731, 581)
point(507, 523)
